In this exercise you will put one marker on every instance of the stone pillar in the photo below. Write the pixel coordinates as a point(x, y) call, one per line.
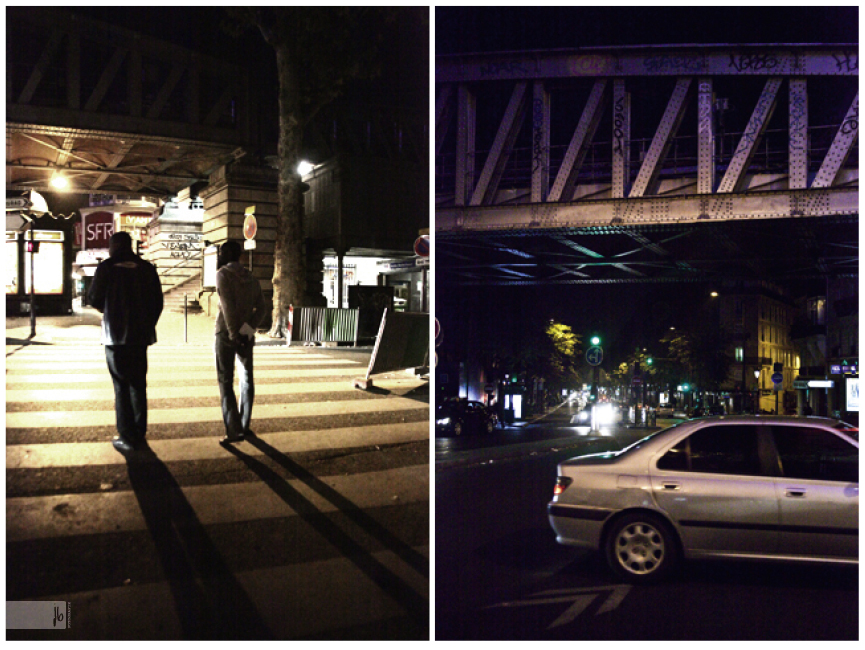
point(233, 188)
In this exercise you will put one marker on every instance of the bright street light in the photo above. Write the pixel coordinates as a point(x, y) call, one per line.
point(304, 167)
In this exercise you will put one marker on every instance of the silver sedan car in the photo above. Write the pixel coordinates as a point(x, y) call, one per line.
point(749, 487)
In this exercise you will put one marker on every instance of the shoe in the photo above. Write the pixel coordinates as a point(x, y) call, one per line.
point(227, 440)
point(126, 446)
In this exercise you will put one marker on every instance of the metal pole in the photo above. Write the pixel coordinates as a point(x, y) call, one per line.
point(32, 281)
point(185, 324)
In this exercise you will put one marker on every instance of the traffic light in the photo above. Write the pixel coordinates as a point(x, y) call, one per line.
point(596, 340)
point(650, 361)
point(32, 246)
point(685, 388)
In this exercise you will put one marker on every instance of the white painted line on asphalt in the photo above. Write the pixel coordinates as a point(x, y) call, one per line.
point(180, 416)
point(29, 518)
point(285, 373)
point(82, 454)
point(49, 396)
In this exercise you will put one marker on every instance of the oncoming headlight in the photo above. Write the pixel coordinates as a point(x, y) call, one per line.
point(443, 422)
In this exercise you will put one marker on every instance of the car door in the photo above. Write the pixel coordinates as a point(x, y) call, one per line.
point(716, 485)
point(818, 492)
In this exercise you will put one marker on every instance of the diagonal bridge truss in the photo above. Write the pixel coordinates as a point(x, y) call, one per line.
point(647, 164)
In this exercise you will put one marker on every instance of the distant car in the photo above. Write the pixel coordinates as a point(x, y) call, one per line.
point(746, 487)
point(665, 411)
point(458, 417)
point(716, 409)
point(583, 417)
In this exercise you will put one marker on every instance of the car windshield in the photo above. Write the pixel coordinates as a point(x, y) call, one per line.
point(639, 443)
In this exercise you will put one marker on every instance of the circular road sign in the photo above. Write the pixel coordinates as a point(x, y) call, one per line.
point(421, 246)
point(777, 378)
point(594, 355)
point(250, 227)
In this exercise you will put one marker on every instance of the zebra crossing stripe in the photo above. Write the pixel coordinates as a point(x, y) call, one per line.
point(30, 518)
point(180, 374)
point(49, 419)
point(48, 396)
point(83, 454)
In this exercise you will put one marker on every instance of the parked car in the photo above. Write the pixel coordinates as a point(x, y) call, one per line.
point(750, 487)
point(458, 417)
point(665, 411)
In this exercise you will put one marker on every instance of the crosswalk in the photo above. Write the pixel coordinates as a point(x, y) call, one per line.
point(316, 528)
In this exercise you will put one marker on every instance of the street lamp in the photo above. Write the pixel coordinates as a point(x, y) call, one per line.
point(757, 391)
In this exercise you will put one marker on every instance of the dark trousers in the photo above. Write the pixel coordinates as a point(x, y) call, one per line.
point(128, 367)
point(236, 419)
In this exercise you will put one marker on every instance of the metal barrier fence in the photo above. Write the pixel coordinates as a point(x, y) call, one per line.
point(323, 325)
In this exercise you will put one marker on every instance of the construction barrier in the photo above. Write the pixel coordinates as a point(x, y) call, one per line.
point(322, 325)
point(402, 343)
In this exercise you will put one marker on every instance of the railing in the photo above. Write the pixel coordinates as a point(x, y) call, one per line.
point(323, 325)
point(185, 263)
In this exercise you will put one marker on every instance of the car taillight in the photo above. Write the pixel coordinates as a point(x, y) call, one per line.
point(562, 482)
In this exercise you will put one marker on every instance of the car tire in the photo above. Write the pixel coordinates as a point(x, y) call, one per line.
point(641, 548)
point(458, 428)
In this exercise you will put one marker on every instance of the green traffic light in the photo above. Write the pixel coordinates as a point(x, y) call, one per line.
point(649, 361)
point(596, 340)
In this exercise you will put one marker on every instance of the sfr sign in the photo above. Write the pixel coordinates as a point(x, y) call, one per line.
point(98, 228)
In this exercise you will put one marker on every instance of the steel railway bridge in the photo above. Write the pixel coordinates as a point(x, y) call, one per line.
point(638, 164)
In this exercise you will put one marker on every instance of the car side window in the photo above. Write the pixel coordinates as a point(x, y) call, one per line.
point(811, 453)
point(729, 449)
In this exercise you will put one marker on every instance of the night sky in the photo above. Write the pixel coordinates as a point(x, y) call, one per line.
point(491, 29)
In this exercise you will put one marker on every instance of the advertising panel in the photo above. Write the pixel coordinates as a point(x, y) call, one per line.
point(11, 264)
point(98, 228)
point(852, 394)
point(48, 269)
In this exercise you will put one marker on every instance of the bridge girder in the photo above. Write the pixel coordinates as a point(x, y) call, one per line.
point(536, 185)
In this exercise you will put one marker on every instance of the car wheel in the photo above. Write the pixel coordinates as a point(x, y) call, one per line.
point(641, 548)
point(458, 428)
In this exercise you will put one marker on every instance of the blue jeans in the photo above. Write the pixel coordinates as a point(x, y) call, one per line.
point(236, 419)
point(127, 365)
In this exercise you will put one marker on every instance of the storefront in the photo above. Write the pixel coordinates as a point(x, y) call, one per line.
point(42, 263)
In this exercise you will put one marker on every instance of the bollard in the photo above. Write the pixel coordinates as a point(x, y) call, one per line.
point(185, 324)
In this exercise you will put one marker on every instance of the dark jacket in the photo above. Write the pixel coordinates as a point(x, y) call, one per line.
point(240, 299)
point(126, 289)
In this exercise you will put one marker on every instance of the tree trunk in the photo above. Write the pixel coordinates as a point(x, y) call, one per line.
point(289, 275)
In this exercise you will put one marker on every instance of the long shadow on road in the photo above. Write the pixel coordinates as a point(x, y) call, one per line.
point(210, 602)
point(417, 607)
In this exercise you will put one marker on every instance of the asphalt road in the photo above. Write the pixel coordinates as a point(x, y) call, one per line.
point(501, 575)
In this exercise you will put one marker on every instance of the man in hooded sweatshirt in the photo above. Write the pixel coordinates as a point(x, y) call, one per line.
point(127, 291)
point(241, 310)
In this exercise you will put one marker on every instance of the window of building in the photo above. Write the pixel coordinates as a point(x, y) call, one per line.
point(740, 355)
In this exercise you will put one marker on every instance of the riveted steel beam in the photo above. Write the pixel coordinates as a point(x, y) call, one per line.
point(465, 156)
point(563, 187)
point(540, 142)
point(502, 146)
point(798, 141)
point(705, 137)
point(653, 210)
point(841, 147)
point(670, 61)
point(443, 113)
point(621, 140)
point(760, 117)
point(670, 122)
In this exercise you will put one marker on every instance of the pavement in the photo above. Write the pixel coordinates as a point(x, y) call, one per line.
point(83, 326)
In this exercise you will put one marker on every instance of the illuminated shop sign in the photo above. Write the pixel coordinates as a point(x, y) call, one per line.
point(853, 394)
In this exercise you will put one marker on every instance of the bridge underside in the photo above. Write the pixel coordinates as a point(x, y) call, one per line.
point(791, 250)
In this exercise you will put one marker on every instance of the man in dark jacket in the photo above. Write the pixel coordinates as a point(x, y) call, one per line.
point(241, 310)
point(127, 291)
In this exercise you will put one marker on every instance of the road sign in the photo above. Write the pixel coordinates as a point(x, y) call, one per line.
point(421, 246)
point(249, 245)
point(250, 226)
point(18, 203)
point(594, 355)
point(777, 378)
point(800, 385)
point(636, 381)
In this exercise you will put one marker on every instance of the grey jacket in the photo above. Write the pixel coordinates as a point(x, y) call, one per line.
point(240, 300)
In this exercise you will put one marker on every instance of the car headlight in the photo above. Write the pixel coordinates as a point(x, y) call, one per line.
point(443, 422)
